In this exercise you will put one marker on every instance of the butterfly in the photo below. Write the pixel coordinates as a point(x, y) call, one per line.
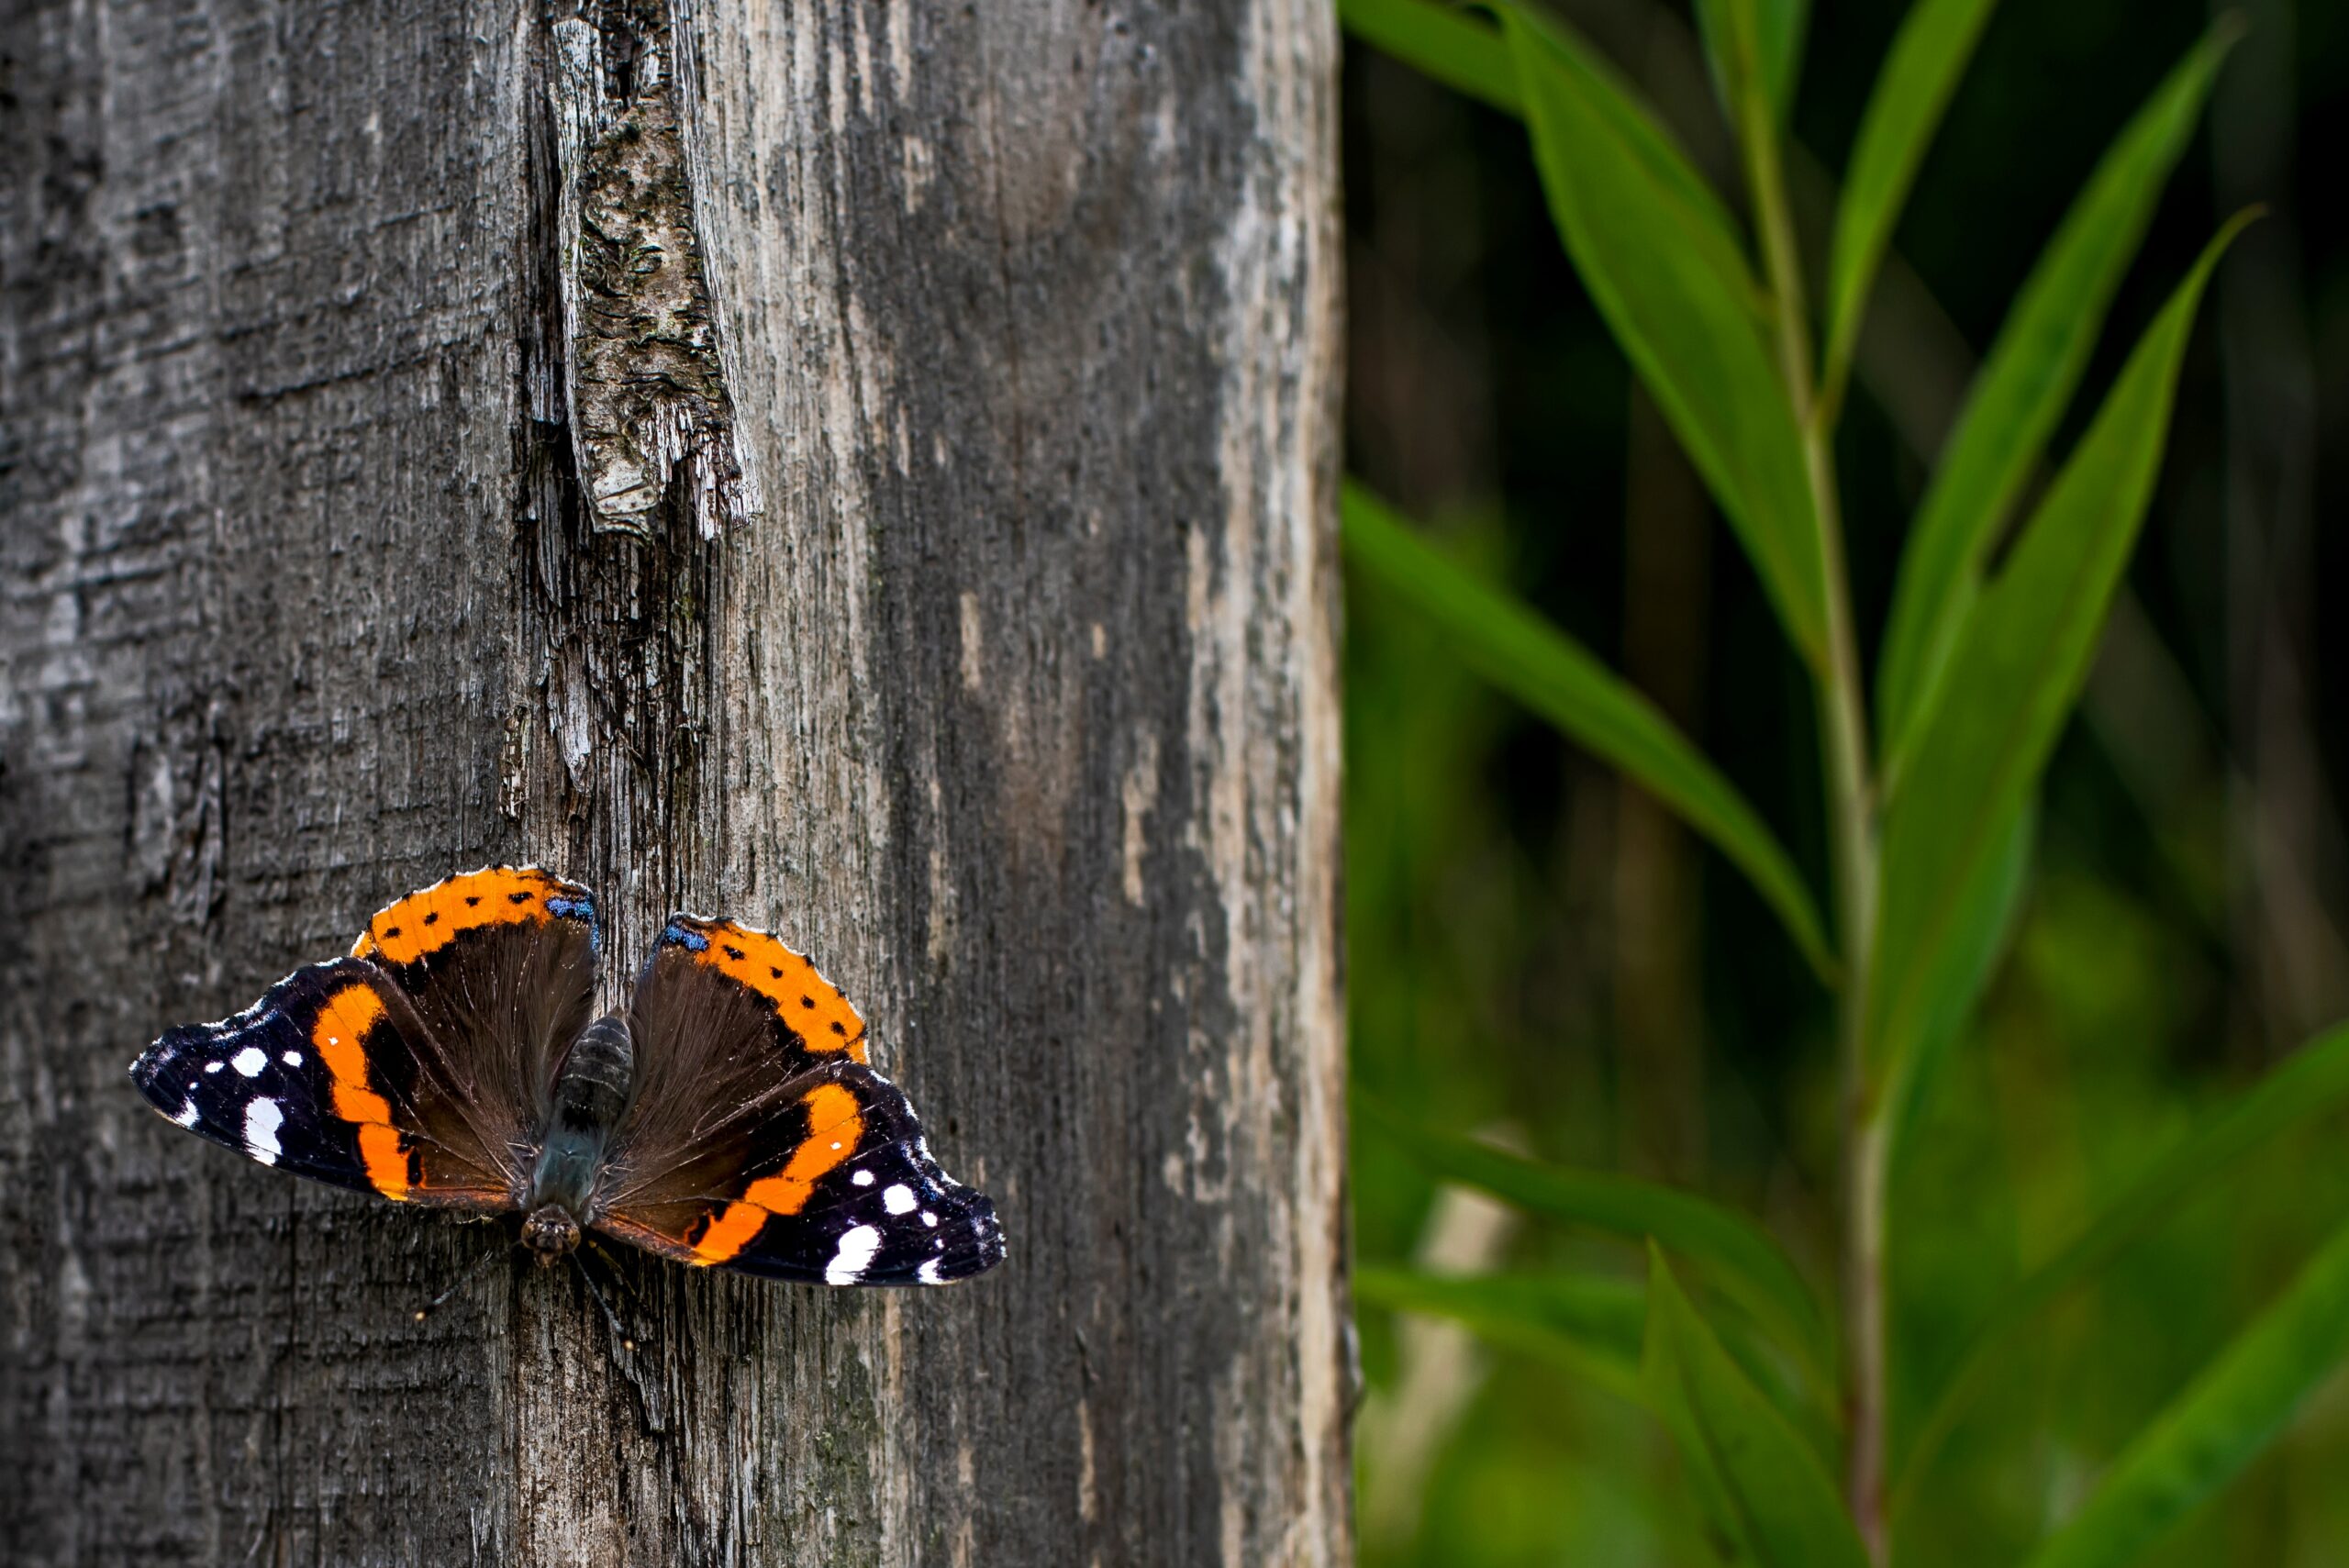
point(728, 1118)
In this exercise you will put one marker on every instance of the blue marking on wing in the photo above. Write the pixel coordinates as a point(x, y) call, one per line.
point(581, 909)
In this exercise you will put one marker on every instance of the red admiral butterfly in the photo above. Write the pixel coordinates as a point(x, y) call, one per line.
point(728, 1118)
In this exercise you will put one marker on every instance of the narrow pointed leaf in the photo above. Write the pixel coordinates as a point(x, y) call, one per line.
point(1929, 54)
point(1784, 1508)
point(1779, 28)
point(2020, 394)
point(2235, 1408)
point(1739, 1258)
point(1555, 676)
point(2015, 677)
point(1983, 927)
point(1585, 1325)
point(1684, 312)
point(1453, 46)
point(1693, 207)
point(2313, 1085)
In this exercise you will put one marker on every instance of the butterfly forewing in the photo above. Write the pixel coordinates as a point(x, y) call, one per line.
point(832, 1182)
point(330, 1075)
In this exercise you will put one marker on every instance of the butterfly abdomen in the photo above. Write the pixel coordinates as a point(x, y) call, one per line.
point(590, 1093)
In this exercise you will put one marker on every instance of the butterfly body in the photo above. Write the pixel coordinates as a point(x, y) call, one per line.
point(590, 1096)
point(726, 1117)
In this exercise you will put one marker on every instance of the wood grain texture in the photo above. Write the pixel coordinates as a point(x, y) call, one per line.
point(1015, 707)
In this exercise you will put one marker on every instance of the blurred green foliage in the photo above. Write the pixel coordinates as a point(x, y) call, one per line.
point(2112, 1283)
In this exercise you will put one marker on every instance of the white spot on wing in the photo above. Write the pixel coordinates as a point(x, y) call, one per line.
point(930, 1219)
point(898, 1198)
point(863, 1178)
point(928, 1272)
point(250, 1061)
point(187, 1117)
point(292, 1058)
point(214, 1066)
point(857, 1244)
point(263, 1118)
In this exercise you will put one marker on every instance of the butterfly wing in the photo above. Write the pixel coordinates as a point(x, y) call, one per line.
point(500, 966)
point(758, 1139)
point(330, 1075)
point(720, 986)
point(418, 1068)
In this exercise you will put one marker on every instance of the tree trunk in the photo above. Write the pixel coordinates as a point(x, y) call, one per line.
point(864, 467)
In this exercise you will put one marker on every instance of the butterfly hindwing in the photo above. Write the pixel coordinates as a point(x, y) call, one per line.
point(500, 965)
point(828, 1181)
point(702, 968)
point(330, 1075)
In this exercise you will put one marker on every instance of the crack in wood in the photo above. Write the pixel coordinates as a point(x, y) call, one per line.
point(644, 379)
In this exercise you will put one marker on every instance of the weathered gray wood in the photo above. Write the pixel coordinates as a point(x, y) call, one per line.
point(1001, 678)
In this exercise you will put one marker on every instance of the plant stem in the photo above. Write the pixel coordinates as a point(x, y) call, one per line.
point(1851, 806)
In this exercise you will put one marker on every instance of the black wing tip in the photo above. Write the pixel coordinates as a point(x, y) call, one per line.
point(163, 1079)
point(968, 1242)
point(149, 1064)
point(151, 1067)
point(986, 1247)
point(146, 1070)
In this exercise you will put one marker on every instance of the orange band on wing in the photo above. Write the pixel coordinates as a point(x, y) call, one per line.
point(834, 1125)
point(341, 1036)
point(428, 921)
point(386, 1160)
point(809, 1004)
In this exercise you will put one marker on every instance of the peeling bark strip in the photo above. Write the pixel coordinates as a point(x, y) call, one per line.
point(645, 374)
point(1016, 708)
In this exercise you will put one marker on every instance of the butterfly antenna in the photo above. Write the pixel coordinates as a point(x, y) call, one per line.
point(620, 1336)
point(465, 1277)
point(635, 1298)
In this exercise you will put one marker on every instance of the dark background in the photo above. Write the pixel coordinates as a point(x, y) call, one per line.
point(1540, 955)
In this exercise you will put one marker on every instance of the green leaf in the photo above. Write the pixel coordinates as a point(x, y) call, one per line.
point(1740, 1259)
point(2022, 390)
point(1928, 56)
point(1714, 234)
point(1449, 46)
point(2237, 1407)
point(1555, 676)
point(1783, 1508)
point(1684, 310)
point(2313, 1084)
point(2015, 677)
point(1586, 1325)
point(1985, 922)
point(1778, 27)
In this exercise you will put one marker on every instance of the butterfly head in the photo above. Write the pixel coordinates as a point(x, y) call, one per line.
point(549, 1231)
